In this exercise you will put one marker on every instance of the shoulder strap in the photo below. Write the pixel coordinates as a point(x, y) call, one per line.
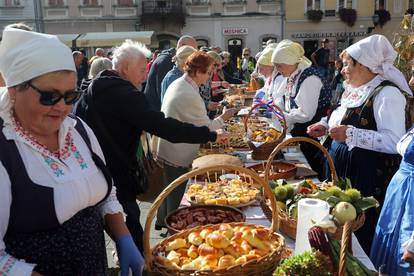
point(381, 86)
point(7, 149)
point(80, 128)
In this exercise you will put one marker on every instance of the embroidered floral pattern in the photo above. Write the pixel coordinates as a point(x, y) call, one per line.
point(7, 266)
point(63, 153)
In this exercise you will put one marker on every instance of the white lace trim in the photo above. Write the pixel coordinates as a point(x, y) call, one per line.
point(356, 96)
point(111, 205)
point(363, 138)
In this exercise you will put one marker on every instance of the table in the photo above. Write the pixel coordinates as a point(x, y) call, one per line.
point(254, 213)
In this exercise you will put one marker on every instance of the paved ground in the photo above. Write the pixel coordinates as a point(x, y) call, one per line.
point(154, 236)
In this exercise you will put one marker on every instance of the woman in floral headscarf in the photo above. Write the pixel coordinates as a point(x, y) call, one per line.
point(367, 125)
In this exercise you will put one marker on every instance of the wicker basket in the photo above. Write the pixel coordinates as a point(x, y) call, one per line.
point(262, 266)
point(288, 224)
point(263, 151)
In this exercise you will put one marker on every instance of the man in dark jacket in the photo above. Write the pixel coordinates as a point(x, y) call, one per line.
point(160, 67)
point(118, 113)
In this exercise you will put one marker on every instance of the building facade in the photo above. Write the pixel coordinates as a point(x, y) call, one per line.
point(12, 11)
point(343, 22)
point(233, 24)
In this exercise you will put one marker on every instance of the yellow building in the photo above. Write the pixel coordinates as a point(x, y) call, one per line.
point(309, 21)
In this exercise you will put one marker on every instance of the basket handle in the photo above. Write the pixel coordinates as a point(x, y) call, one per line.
point(183, 179)
point(275, 109)
point(301, 139)
point(345, 243)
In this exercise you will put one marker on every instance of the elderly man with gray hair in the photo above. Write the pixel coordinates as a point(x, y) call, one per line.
point(160, 68)
point(118, 113)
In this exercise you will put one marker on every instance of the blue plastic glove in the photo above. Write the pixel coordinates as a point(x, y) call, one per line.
point(129, 256)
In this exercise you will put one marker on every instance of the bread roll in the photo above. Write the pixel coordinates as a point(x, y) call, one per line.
point(195, 238)
point(246, 247)
point(211, 201)
point(175, 244)
point(226, 230)
point(182, 251)
point(189, 266)
point(205, 232)
point(254, 241)
point(258, 252)
point(245, 258)
point(185, 260)
point(173, 257)
point(217, 240)
point(226, 261)
point(192, 251)
point(165, 262)
point(237, 237)
point(205, 249)
point(210, 261)
point(234, 249)
point(221, 201)
point(260, 233)
point(233, 200)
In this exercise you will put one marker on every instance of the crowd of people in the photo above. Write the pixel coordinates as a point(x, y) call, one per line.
point(71, 128)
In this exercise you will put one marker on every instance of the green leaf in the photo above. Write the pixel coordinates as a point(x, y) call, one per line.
point(332, 201)
point(366, 203)
point(320, 195)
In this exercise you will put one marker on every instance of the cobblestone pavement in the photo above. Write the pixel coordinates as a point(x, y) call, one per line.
point(154, 236)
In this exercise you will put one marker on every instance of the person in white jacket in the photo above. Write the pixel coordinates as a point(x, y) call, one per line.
point(183, 102)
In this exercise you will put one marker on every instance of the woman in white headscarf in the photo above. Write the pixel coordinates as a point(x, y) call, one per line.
point(304, 95)
point(56, 193)
point(367, 125)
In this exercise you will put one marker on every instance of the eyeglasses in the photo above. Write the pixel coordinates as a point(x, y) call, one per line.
point(52, 97)
point(216, 65)
point(210, 73)
point(246, 55)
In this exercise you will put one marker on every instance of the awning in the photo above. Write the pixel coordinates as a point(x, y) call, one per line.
point(109, 39)
point(67, 38)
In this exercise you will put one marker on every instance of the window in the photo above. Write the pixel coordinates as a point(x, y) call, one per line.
point(380, 4)
point(313, 5)
point(125, 2)
point(12, 3)
point(411, 4)
point(56, 3)
point(90, 2)
point(347, 4)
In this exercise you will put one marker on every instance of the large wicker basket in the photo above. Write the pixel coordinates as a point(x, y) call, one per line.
point(287, 224)
point(261, 266)
point(263, 151)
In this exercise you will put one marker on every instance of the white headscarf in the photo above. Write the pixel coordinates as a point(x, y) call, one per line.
point(26, 55)
point(289, 52)
point(377, 53)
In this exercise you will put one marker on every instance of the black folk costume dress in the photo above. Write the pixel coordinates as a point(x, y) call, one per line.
point(369, 157)
point(34, 234)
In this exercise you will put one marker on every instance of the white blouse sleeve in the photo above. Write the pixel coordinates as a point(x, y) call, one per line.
point(409, 245)
point(389, 113)
point(111, 204)
point(306, 100)
point(8, 264)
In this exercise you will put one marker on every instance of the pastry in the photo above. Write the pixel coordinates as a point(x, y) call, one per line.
point(254, 241)
point(192, 251)
point(195, 238)
point(174, 257)
point(205, 249)
point(205, 232)
point(175, 244)
point(209, 260)
point(226, 261)
point(217, 240)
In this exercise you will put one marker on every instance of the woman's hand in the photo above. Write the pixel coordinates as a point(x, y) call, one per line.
point(408, 257)
point(225, 84)
point(34, 273)
point(338, 133)
point(222, 137)
point(316, 130)
point(211, 106)
point(228, 113)
point(129, 256)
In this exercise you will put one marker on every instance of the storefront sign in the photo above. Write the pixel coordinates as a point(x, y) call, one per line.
point(234, 31)
point(329, 35)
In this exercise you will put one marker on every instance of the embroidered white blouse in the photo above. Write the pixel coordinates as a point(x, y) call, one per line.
point(76, 181)
point(389, 113)
point(306, 99)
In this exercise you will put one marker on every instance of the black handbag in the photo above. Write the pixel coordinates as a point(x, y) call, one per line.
point(136, 168)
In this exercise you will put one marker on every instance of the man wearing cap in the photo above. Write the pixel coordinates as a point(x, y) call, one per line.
point(320, 57)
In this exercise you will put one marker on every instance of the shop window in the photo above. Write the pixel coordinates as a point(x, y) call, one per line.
point(125, 2)
point(380, 5)
point(202, 43)
point(313, 5)
point(266, 39)
point(347, 4)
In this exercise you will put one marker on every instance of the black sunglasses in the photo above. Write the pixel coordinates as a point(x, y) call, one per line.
point(53, 97)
